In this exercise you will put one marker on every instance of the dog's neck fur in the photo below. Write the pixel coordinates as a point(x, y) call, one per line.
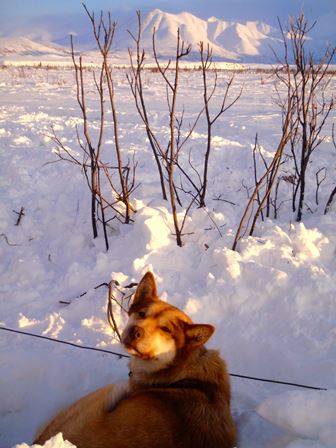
point(189, 371)
point(191, 368)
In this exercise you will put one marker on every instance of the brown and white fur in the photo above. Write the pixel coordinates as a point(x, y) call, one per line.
point(178, 393)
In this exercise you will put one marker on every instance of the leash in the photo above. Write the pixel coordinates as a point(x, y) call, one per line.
point(120, 356)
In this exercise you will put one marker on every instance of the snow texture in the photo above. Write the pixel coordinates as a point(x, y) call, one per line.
point(311, 414)
point(272, 302)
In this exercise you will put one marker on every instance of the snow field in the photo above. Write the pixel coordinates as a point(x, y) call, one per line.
point(272, 302)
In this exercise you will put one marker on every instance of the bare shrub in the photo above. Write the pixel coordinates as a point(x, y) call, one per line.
point(172, 172)
point(308, 80)
point(110, 185)
point(305, 109)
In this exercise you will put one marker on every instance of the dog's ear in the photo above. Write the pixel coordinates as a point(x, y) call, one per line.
point(198, 334)
point(146, 289)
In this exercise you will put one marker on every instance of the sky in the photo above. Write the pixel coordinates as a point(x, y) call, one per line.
point(54, 19)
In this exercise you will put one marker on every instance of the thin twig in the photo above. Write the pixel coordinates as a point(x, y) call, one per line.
point(20, 215)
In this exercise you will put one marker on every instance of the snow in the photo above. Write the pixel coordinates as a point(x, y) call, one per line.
point(272, 303)
point(55, 442)
point(311, 414)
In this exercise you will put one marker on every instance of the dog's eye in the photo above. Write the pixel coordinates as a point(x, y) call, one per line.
point(165, 329)
point(141, 314)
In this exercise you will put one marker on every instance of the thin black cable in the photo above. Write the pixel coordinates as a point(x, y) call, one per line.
point(120, 355)
point(264, 380)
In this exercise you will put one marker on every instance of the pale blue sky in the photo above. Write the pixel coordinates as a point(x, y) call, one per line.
point(233, 9)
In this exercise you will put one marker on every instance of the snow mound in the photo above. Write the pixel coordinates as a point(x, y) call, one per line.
point(308, 414)
point(55, 442)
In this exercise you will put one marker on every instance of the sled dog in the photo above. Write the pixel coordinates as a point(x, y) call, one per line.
point(177, 394)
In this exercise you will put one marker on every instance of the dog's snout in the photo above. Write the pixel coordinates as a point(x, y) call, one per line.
point(136, 332)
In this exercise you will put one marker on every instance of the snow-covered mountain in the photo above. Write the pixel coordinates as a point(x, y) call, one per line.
point(23, 46)
point(229, 40)
point(232, 41)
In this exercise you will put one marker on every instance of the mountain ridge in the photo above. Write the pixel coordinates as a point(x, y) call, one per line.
point(25, 46)
point(231, 41)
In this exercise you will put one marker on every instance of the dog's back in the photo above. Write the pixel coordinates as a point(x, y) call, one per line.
point(189, 412)
point(178, 395)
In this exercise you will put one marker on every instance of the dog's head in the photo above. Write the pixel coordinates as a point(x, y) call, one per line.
point(156, 332)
